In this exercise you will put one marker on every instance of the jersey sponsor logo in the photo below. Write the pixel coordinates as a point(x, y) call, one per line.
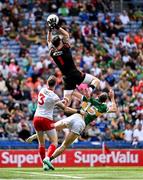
point(57, 53)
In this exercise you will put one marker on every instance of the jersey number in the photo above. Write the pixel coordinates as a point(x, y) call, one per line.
point(87, 107)
point(60, 59)
point(41, 99)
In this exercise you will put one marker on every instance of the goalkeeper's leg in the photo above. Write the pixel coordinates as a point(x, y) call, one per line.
point(92, 81)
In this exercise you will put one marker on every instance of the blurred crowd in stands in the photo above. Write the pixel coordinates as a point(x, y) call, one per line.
point(106, 44)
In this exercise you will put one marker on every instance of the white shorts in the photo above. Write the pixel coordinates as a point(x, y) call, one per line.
point(74, 123)
point(88, 78)
point(68, 93)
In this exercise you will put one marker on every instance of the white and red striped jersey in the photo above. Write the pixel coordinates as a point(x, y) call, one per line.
point(46, 102)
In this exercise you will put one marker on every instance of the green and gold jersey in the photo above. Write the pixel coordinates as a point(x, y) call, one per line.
point(93, 108)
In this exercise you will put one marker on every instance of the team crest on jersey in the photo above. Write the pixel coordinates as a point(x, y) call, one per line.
point(57, 53)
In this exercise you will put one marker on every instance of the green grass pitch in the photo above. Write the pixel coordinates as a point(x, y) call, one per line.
point(99, 173)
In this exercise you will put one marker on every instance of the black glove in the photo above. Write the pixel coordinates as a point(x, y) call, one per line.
point(52, 24)
point(51, 21)
point(57, 26)
point(51, 27)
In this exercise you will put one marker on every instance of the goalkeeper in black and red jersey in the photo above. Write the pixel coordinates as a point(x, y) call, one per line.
point(61, 53)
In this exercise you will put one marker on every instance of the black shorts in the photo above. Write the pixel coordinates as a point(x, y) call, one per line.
point(73, 79)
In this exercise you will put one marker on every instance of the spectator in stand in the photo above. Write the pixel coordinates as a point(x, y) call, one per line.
point(101, 26)
point(13, 68)
point(139, 107)
point(2, 132)
point(38, 13)
point(23, 38)
point(86, 30)
point(136, 89)
point(128, 133)
point(63, 10)
point(102, 125)
point(14, 88)
point(126, 57)
point(139, 120)
point(124, 85)
point(126, 114)
point(32, 107)
point(42, 49)
point(94, 30)
point(108, 135)
point(138, 38)
point(102, 5)
point(111, 30)
point(4, 69)
point(124, 18)
point(3, 88)
point(141, 93)
point(110, 77)
point(129, 74)
point(95, 70)
point(40, 64)
point(88, 59)
point(94, 133)
point(17, 113)
point(23, 130)
point(111, 49)
point(5, 50)
point(138, 134)
point(11, 129)
point(119, 27)
point(121, 123)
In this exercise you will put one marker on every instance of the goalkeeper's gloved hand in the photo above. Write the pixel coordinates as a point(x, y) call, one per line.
point(52, 21)
point(52, 24)
point(50, 28)
point(57, 26)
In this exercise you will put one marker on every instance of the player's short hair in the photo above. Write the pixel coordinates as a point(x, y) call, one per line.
point(103, 97)
point(56, 41)
point(52, 81)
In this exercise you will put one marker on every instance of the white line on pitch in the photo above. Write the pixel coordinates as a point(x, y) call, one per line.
point(13, 179)
point(56, 175)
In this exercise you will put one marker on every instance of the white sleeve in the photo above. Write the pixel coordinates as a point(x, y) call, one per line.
point(56, 98)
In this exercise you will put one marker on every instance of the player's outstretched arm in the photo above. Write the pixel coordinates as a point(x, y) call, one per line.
point(67, 110)
point(51, 26)
point(64, 32)
point(49, 36)
point(113, 107)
